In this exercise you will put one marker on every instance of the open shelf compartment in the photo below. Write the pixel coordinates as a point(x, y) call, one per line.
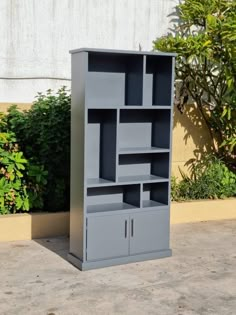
point(155, 195)
point(158, 81)
point(114, 80)
point(100, 160)
point(144, 131)
point(143, 167)
point(113, 198)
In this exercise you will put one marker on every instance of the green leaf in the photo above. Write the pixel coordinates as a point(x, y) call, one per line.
point(19, 203)
point(26, 204)
point(211, 21)
point(207, 43)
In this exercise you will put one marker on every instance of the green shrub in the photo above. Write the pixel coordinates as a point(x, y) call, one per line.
point(205, 43)
point(21, 182)
point(210, 179)
point(43, 133)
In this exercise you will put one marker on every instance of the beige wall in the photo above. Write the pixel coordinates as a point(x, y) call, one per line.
point(190, 139)
point(26, 226)
point(22, 106)
point(190, 136)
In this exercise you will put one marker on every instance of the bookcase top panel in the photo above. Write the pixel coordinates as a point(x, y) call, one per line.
point(110, 51)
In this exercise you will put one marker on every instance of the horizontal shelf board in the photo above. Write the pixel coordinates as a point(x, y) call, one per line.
point(128, 107)
point(152, 203)
point(127, 211)
point(128, 180)
point(141, 178)
point(109, 207)
point(125, 52)
point(97, 182)
point(161, 106)
point(142, 150)
point(145, 107)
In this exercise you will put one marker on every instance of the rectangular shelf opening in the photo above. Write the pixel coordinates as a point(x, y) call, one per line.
point(113, 198)
point(158, 81)
point(144, 131)
point(155, 195)
point(143, 167)
point(114, 80)
point(101, 146)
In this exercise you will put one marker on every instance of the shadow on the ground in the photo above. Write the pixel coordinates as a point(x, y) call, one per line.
point(58, 245)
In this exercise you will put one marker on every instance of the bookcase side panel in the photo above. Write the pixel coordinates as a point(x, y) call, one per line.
point(77, 218)
point(171, 121)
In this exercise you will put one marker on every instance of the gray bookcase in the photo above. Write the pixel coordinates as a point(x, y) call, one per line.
point(121, 121)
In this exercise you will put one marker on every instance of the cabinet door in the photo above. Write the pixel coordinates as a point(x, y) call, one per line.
point(107, 237)
point(149, 231)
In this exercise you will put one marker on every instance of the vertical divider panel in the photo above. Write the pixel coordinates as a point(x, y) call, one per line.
point(144, 71)
point(134, 80)
point(108, 147)
point(147, 84)
point(117, 143)
point(171, 124)
point(141, 195)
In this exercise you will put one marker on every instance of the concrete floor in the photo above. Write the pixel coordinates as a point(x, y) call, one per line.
point(200, 278)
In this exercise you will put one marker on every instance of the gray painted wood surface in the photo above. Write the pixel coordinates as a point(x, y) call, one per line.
point(121, 152)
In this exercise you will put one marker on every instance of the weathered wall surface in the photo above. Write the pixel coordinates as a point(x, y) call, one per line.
point(36, 36)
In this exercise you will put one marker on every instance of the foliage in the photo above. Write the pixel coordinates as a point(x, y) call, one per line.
point(43, 133)
point(21, 182)
point(210, 179)
point(205, 42)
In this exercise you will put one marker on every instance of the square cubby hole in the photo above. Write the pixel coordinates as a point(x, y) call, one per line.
point(155, 195)
point(100, 160)
point(112, 198)
point(114, 80)
point(144, 130)
point(158, 81)
point(143, 167)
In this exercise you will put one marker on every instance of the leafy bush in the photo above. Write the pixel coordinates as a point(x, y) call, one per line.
point(210, 179)
point(21, 182)
point(205, 42)
point(43, 133)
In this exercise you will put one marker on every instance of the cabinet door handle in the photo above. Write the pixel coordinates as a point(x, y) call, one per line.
point(126, 228)
point(132, 227)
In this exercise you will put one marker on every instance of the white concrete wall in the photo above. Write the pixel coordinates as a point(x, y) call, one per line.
point(36, 35)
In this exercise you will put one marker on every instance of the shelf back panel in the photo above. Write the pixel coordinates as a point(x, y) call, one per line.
point(144, 164)
point(157, 192)
point(158, 81)
point(114, 80)
point(129, 194)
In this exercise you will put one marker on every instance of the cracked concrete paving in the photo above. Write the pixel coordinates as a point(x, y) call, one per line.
point(200, 278)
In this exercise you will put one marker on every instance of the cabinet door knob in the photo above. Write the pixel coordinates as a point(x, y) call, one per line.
point(132, 227)
point(126, 228)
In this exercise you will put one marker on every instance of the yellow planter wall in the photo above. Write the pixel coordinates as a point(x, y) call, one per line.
point(28, 226)
point(15, 227)
point(204, 210)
